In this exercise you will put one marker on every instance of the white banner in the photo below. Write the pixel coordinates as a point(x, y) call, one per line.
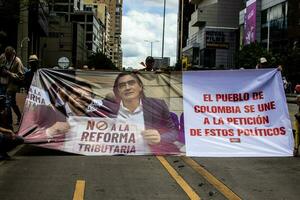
point(104, 136)
point(37, 96)
point(240, 113)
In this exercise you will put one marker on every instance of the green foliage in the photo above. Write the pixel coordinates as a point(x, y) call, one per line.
point(249, 55)
point(100, 61)
point(291, 62)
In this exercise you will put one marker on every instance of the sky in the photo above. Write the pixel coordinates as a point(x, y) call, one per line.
point(143, 20)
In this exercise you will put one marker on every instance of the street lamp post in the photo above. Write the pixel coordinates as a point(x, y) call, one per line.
point(21, 45)
point(151, 44)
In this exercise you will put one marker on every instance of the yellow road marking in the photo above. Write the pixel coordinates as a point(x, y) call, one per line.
point(229, 194)
point(182, 183)
point(79, 190)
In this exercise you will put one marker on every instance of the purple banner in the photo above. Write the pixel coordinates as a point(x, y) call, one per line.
point(250, 22)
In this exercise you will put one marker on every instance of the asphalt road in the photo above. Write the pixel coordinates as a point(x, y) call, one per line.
point(42, 174)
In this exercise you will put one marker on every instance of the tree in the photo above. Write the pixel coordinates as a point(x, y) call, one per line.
point(290, 63)
point(249, 55)
point(99, 61)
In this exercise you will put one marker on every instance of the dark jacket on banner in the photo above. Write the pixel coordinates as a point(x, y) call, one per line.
point(157, 116)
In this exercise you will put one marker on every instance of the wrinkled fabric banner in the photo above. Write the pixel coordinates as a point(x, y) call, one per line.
point(236, 113)
point(104, 113)
point(240, 113)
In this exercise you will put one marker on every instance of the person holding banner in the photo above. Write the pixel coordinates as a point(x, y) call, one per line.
point(8, 139)
point(151, 115)
point(297, 127)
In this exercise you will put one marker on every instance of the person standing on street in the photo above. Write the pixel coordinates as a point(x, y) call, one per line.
point(149, 64)
point(12, 74)
point(33, 65)
point(8, 139)
point(297, 127)
point(263, 63)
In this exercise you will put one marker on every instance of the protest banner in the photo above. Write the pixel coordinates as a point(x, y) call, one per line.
point(240, 113)
point(232, 113)
point(65, 110)
point(104, 136)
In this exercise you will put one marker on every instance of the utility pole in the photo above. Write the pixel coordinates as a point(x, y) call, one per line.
point(151, 44)
point(21, 47)
point(181, 29)
point(163, 35)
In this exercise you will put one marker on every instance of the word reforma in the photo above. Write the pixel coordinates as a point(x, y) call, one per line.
point(108, 137)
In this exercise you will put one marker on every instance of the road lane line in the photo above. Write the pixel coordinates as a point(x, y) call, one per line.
point(229, 194)
point(182, 183)
point(79, 190)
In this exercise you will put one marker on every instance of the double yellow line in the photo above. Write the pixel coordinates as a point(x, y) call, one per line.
point(229, 194)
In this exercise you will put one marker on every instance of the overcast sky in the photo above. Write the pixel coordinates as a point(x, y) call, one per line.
point(143, 20)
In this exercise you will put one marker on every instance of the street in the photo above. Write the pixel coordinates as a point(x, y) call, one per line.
point(36, 173)
point(137, 81)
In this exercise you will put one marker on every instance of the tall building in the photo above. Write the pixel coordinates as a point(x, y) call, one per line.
point(277, 23)
point(9, 11)
point(100, 7)
point(115, 29)
point(22, 25)
point(93, 30)
point(185, 9)
point(75, 32)
point(213, 34)
point(76, 11)
point(110, 14)
point(65, 39)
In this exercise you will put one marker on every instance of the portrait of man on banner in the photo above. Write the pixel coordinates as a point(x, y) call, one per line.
point(74, 120)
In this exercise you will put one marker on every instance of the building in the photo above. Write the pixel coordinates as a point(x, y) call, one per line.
point(22, 25)
point(65, 39)
point(161, 63)
point(93, 30)
point(75, 33)
point(110, 14)
point(9, 11)
point(185, 9)
point(277, 24)
point(65, 8)
point(100, 7)
point(115, 30)
point(212, 34)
